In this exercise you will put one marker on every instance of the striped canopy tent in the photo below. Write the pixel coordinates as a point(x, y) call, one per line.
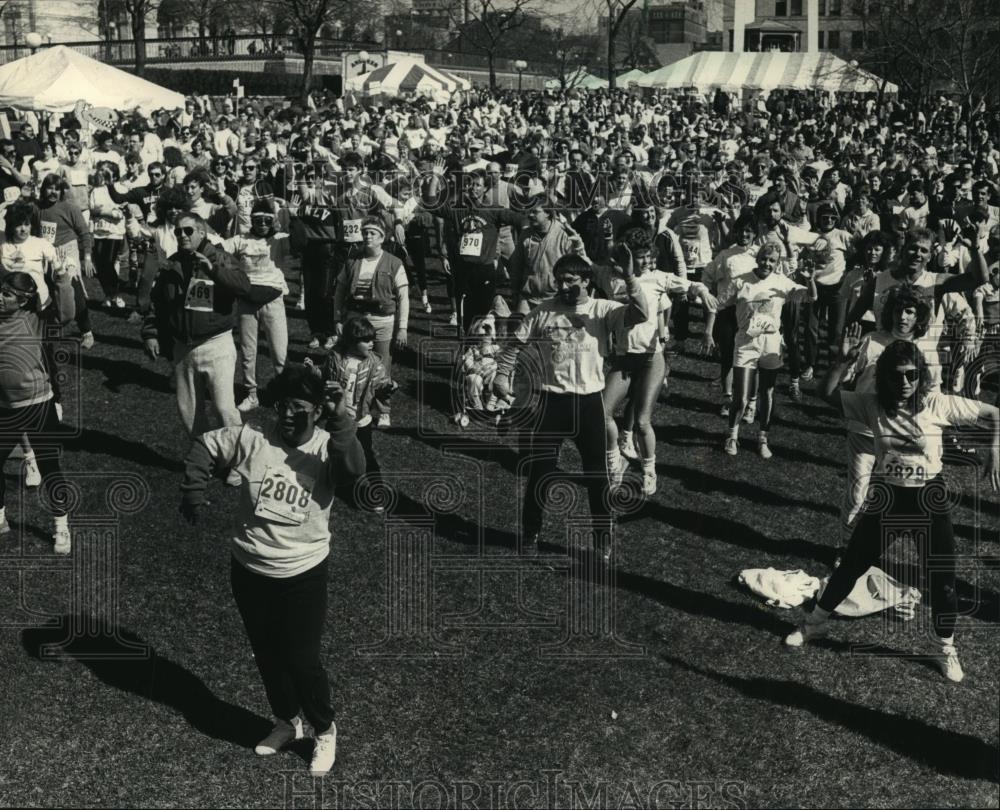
point(404, 76)
point(766, 71)
point(463, 83)
point(631, 76)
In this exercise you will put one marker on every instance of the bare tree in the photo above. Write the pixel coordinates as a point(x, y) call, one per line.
point(210, 16)
point(616, 11)
point(138, 11)
point(486, 25)
point(637, 49)
point(927, 46)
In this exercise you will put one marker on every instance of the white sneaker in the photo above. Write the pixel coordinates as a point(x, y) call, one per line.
point(948, 663)
point(732, 446)
point(764, 450)
point(808, 631)
point(648, 482)
point(282, 734)
point(453, 320)
point(59, 411)
point(325, 752)
point(750, 412)
point(87, 340)
point(4, 527)
point(119, 302)
point(807, 374)
point(427, 306)
point(32, 476)
point(300, 305)
point(61, 543)
point(383, 421)
point(627, 449)
point(251, 403)
point(234, 479)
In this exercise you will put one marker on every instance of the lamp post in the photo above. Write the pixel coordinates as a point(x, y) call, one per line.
point(33, 40)
point(399, 38)
point(112, 35)
point(363, 56)
point(520, 66)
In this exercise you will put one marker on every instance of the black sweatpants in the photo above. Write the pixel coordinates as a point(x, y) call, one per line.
point(105, 254)
point(284, 620)
point(579, 417)
point(915, 507)
point(41, 425)
point(319, 275)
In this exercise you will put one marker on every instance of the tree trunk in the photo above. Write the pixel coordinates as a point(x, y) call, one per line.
point(612, 36)
point(308, 58)
point(139, 42)
point(491, 57)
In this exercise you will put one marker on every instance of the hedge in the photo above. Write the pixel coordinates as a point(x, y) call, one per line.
point(220, 82)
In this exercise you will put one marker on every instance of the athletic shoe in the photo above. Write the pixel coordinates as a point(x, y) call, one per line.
point(453, 319)
point(107, 303)
point(732, 446)
point(948, 663)
point(282, 734)
point(234, 479)
point(251, 403)
point(794, 392)
point(750, 412)
point(383, 421)
point(4, 527)
point(61, 543)
point(808, 631)
point(627, 449)
point(427, 307)
point(87, 340)
point(32, 476)
point(314, 343)
point(324, 753)
point(300, 305)
point(330, 342)
point(119, 302)
point(807, 374)
point(648, 482)
point(727, 403)
point(764, 450)
point(59, 410)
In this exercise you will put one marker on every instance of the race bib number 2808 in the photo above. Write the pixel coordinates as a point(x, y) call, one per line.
point(283, 499)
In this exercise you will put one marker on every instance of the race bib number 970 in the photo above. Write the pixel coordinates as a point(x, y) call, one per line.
point(281, 498)
point(200, 295)
point(471, 245)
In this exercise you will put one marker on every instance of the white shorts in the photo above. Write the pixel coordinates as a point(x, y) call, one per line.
point(763, 351)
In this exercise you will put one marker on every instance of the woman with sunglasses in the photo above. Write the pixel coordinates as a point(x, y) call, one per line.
point(27, 398)
point(279, 566)
point(77, 176)
point(251, 189)
point(264, 256)
point(107, 224)
point(907, 420)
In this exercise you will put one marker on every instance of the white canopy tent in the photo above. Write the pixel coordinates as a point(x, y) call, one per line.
point(407, 75)
point(463, 83)
point(579, 79)
point(55, 79)
point(631, 76)
point(709, 70)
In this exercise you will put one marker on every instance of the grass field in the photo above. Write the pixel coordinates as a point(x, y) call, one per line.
point(461, 671)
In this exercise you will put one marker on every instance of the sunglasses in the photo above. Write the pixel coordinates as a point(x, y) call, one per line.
point(188, 231)
point(289, 407)
point(10, 292)
point(264, 218)
point(910, 375)
point(249, 167)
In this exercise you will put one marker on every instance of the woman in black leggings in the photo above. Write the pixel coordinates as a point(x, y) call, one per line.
point(907, 494)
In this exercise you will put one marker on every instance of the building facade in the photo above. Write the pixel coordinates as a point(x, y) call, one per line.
point(782, 24)
point(62, 21)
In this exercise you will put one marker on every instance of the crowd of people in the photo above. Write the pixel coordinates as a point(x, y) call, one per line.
point(849, 240)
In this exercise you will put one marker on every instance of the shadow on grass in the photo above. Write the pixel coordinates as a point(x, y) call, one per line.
point(109, 652)
point(118, 373)
point(948, 752)
point(108, 444)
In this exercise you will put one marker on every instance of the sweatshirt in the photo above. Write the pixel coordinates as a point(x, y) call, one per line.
point(283, 518)
point(69, 224)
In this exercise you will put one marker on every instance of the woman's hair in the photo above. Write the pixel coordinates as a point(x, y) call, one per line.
point(877, 238)
point(26, 285)
point(17, 214)
point(900, 298)
point(173, 197)
point(769, 249)
point(637, 238)
point(51, 180)
point(356, 330)
point(296, 381)
point(900, 353)
point(746, 219)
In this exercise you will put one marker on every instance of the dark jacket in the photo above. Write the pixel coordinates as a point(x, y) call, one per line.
point(170, 318)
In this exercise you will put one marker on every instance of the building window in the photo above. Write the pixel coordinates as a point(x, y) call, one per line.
point(857, 40)
point(796, 8)
point(835, 7)
point(821, 40)
point(780, 8)
point(822, 8)
point(833, 40)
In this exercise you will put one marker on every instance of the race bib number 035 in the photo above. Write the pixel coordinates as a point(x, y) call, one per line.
point(282, 498)
point(200, 295)
point(49, 232)
point(471, 245)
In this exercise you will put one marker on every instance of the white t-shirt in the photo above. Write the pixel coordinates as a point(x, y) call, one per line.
point(572, 342)
point(759, 302)
point(263, 260)
point(29, 257)
point(366, 276)
point(908, 447)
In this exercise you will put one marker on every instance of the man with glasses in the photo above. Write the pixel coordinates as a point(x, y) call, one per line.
point(191, 320)
point(247, 191)
point(11, 173)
